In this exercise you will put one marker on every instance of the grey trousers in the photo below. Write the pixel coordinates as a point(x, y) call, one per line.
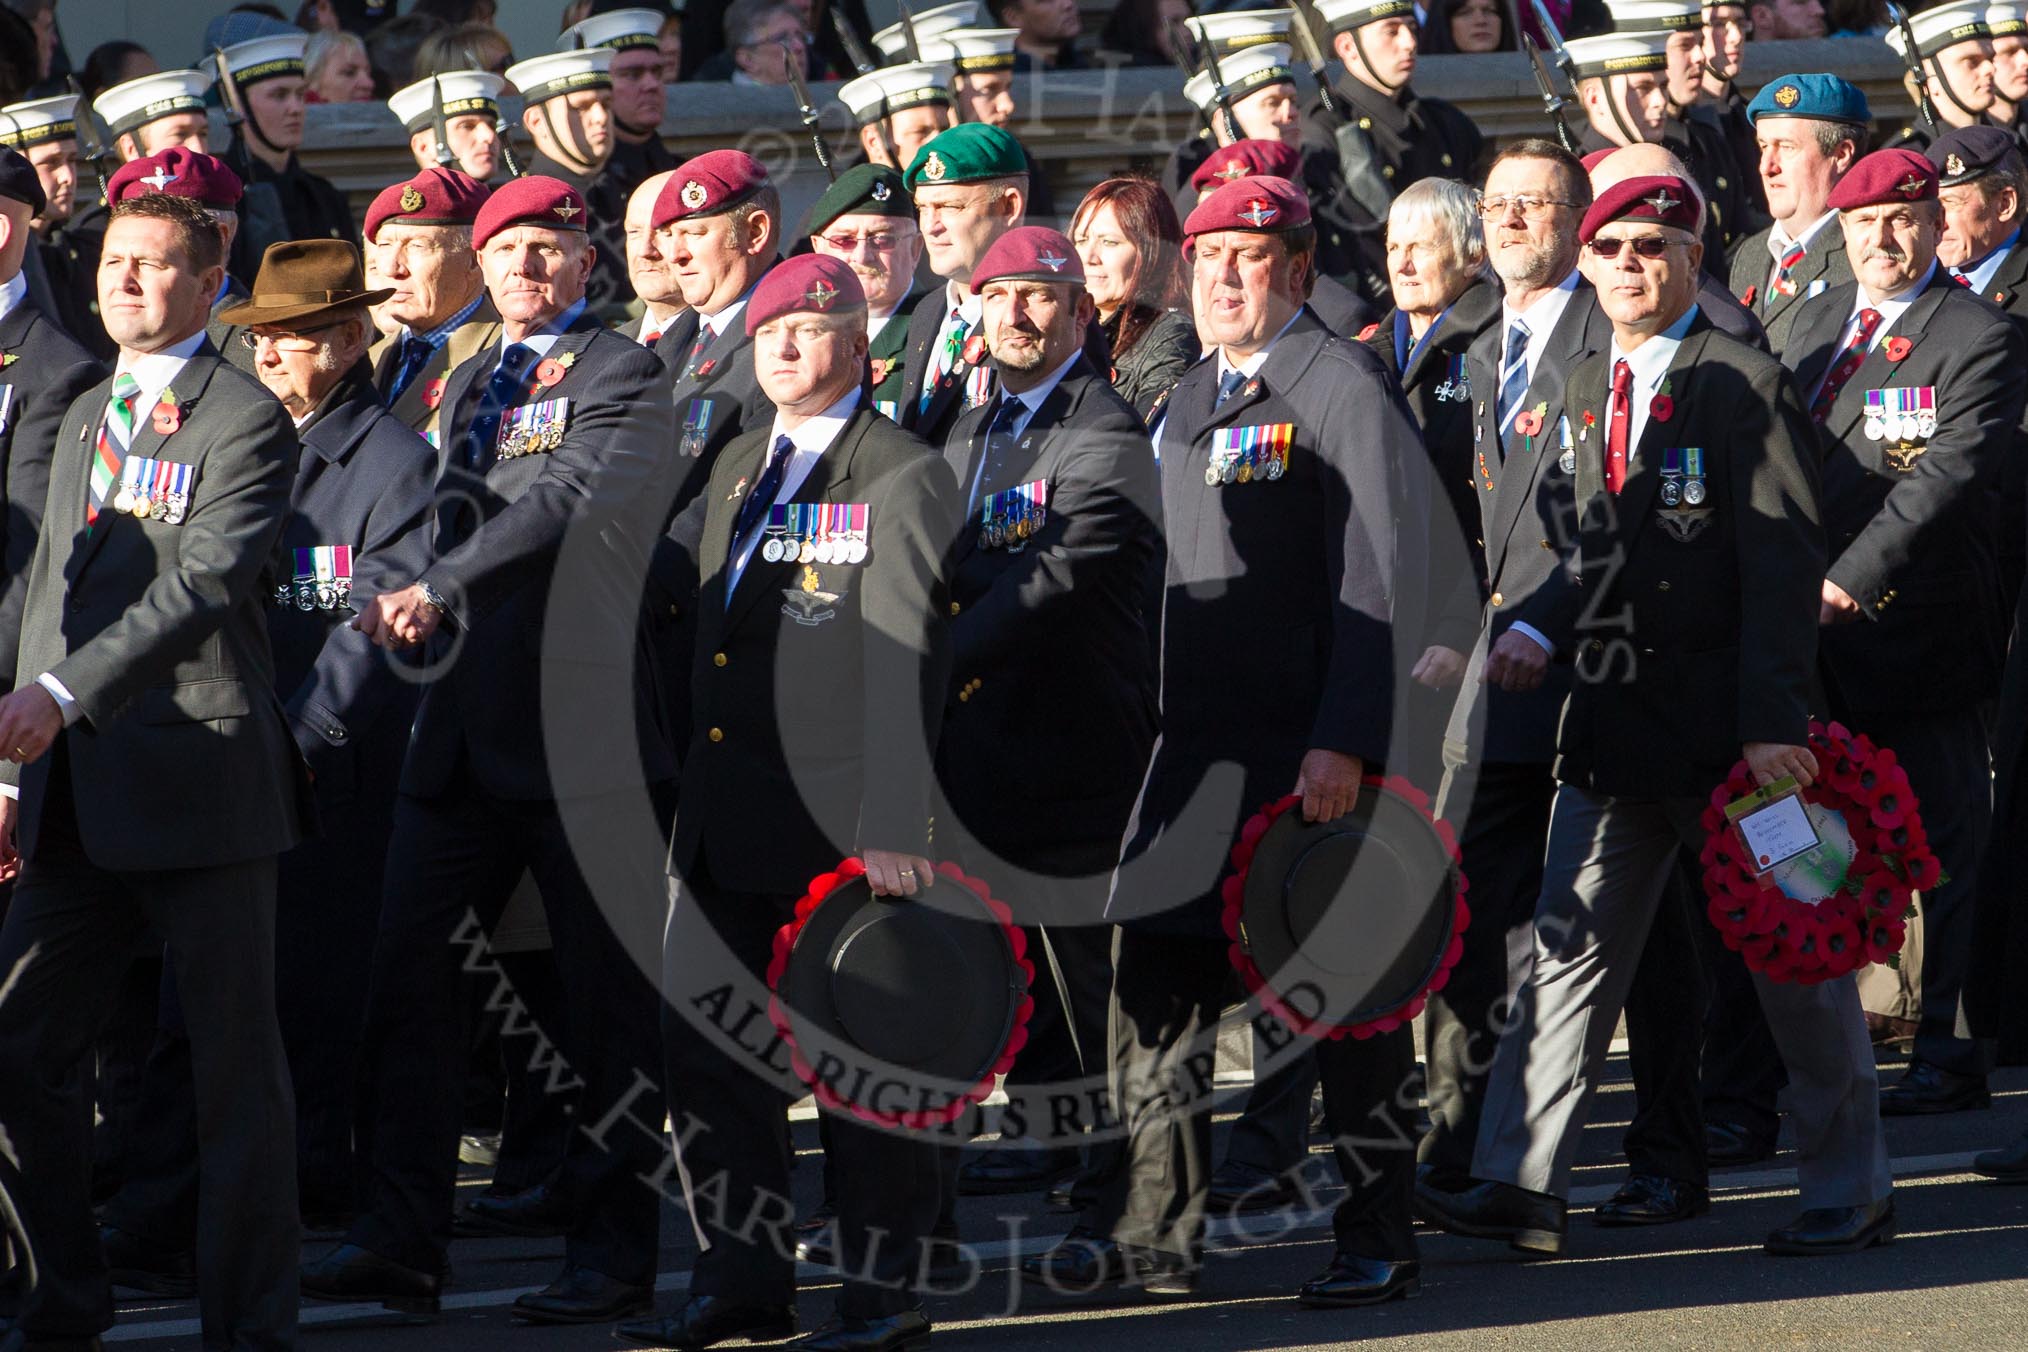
point(1607, 862)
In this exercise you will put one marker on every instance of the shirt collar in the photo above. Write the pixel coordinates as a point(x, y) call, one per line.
point(1779, 243)
point(814, 435)
point(12, 292)
point(545, 337)
point(719, 322)
point(1251, 366)
point(1034, 397)
point(154, 372)
point(1980, 274)
point(1893, 305)
point(441, 334)
point(1542, 312)
point(969, 307)
point(1650, 361)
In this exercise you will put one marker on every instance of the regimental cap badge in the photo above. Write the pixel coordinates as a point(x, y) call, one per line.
point(1788, 96)
point(1054, 262)
point(1259, 212)
point(1911, 187)
point(411, 200)
point(566, 209)
point(1662, 203)
point(821, 295)
point(881, 192)
point(159, 180)
point(1233, 169)
point(934, 168)
point(1953, 165)
point(694, 195)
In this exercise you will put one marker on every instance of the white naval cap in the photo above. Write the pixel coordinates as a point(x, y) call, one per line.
point(268, 58)
point(1618, 54)
point(893, 89)
point(1936, 29)
point(465, 91)
point(133, 105)
point(619, 29)
point(38, 122)
point(974, 51)
point(930, 23)
point(1232, 30)
point(1342, 15)
point(556, 73)
point(1246, 70)
point(1650, 16)
point(2007, 21)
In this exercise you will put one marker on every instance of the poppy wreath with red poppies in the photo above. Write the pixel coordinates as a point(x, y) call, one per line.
point(1865, 918)
point(1233, 894)
point(822, 886)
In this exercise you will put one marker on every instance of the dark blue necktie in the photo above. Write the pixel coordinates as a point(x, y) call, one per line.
point(755, 509)
point(1514, 385)
point(1228, 385)
point(502, 392)
point(415, 354)
point(999, 450)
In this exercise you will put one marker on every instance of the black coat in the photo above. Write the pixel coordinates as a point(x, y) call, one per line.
point(1911, 533)
point(816, 687)
point(42, 372)
point(1693, 626)
point(1051, 654)
point(1527, 508)
point(1344, 311)
point(1146, 372)
point(720, 395)
point(1284, 600)
point(292, 204)
point(583, 515)
point(2009, 291)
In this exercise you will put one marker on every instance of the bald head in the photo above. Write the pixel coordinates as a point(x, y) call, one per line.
point(647, 269)
point(15, 236)
point(1643, 161)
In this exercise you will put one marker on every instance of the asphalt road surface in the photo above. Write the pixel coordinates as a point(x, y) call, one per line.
point(1956, 1278)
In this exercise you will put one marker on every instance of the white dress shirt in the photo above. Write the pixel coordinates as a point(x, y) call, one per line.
point(811, 438)
point(1779, 241)
point(12, 292)
point(1890, 310)
point(717, 323)
point(1031, 404)
point(970, 308)
point(541, 340)
point(1542, 315)
point(1980, 274)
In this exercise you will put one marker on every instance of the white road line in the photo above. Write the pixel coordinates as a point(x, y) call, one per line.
point(1256, 1228)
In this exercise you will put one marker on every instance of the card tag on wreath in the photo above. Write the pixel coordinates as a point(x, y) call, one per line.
point(1774, 824)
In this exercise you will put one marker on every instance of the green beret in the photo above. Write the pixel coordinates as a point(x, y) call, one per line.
point(967, 153)
point(867, 189)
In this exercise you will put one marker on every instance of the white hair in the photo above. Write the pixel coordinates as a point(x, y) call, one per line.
point(1453, 208)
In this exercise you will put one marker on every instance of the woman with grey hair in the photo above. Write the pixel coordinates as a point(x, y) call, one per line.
point(1444, 298)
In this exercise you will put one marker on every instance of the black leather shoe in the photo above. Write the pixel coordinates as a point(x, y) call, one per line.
point(1441, 1177)
point(14, 1340)
point(1236, 1186)
point(1533, 1222)
point(1355, 1280)
point(533, 1213)
point(706, 1320)
point(1027, 1166)
point(1650, 1199)
point(582, 1296)
point(136, 1264)
point(349, 1273)
point(888, 1333)
point(1924, 1088)
point(1838, 1229)
point(2008, 1164)
point(1082, 1260)
point(1730, 1143)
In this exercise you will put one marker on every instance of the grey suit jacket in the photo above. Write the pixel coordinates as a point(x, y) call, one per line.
point(1823, 267)
point(158, 632)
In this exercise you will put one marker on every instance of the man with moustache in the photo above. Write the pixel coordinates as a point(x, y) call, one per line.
point(1953, 61)
point(1812, 129)
point(144, 660)
point(419, 241)
point(662, 306)
point(555, 476)
point(567, 108)
point(469, 101)
point(1637, 757)
point(1908, 507)
point(867, 219)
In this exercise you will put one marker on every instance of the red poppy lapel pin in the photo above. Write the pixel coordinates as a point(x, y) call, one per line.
point(1747, 299)
point(168, 414)
point(705, 368)
point(1897, 347)
point(1663, 406)
point(554, 369)
point(433, 393)
point(975, 349)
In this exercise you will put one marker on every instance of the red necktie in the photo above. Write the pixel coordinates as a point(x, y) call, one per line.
point(1962, 280)
point(1619, 415)
point(1850, 358)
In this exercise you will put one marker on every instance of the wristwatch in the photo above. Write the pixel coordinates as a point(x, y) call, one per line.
point(433, 598)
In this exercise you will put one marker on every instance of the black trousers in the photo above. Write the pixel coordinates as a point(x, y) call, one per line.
point(70, 933)
point(1272, 1131)
point(1505, 811)
point(451, 866)
point(732, 1129)
point(1168, 992)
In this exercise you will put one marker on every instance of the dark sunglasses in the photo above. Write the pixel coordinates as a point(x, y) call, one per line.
point(1647, 246)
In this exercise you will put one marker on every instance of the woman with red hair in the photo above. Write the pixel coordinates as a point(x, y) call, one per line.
point(1131, 245)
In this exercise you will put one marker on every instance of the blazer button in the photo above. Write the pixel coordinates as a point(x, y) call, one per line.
point(1662, 585)
point(964, 695)
point(675, 609)
point(1547, 545)
point(1499, 600)
point(716, 735)
point(1595, 647)
point(954, 607)
point(335, 734)
point(718, 659)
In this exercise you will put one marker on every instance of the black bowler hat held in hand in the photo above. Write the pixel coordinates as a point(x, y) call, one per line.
point(1345, 926)
point(900, 1010)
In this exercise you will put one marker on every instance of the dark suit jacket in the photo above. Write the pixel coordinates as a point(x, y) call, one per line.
point(1051, 650)
point(721, 388)
point(368, 482)
point(584, 517)
point(1526, 508)
point(1284, 598)
point(1753, 265)
point(1692, 626)
point(933, 422)
point(1914, 546)
point(2009, 291)
point(815, 721)
point(158, 632)
point(42, 371)
point(1727, 315)
point(414, 407)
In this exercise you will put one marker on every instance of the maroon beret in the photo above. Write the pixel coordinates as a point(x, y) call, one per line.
point(1256, 202)
point(1030, 253)
point(715, 181)
point(534, 200)
point(1896, 175)
point(1271, 159)
point(1597, 157)
point(1662, 198)
point(180, 173)
point(433, 197)
point(812, 281)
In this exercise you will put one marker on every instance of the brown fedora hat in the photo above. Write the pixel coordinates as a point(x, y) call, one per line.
point(304, 279)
